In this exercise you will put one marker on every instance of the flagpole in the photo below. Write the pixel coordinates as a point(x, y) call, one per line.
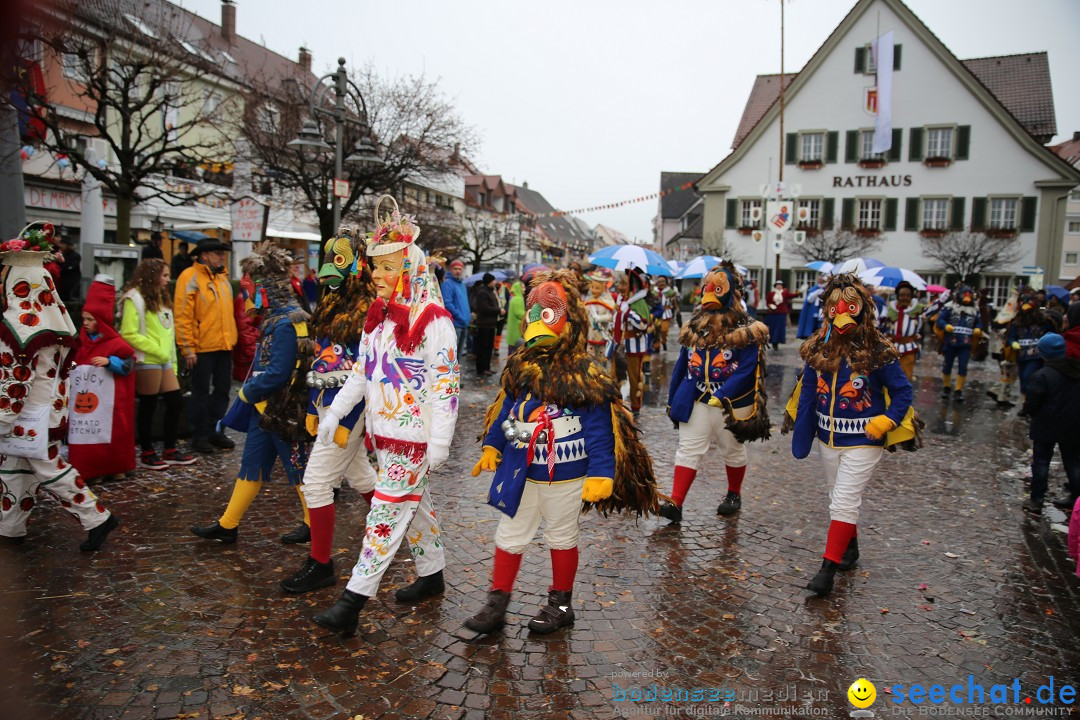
point(776, 269)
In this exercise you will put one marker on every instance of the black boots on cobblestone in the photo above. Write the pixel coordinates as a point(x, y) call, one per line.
point(423, 587)
point(96, 537)
point(221, 440)
point(851, 555)
point(301, 534)
point(493, 615)
point(1033, 507)
point(216, 532)
point(344, 616)
point(946, 392)
point(671, 511)
point(201, 444)
point(730, 506)
point(822, 583)
point(958, 396)
point(556, 614)
point(312, 576)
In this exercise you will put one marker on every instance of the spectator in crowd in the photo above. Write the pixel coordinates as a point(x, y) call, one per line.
point(94, 451)
point(456, 298)
point(146, 323)
point(514, 315)
point(206, 334)
point(70, 271)
point(152, 250)
point(502, 294)
point(181, 261)
point(247, 312)
point(488, 313)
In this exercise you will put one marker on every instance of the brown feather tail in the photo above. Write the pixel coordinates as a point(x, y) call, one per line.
point(635, 482)
point(491, 413)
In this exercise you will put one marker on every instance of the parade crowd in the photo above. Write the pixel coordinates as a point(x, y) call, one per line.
point(361, 384)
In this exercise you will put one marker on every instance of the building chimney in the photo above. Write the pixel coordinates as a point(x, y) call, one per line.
point(1076, 135)
point(305, 59)
point(525, 184)
point(228, 20)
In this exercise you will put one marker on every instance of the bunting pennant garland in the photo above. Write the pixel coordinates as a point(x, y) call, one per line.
point(621, 203)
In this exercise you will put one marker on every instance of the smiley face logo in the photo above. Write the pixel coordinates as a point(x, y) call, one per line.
point(862, 693)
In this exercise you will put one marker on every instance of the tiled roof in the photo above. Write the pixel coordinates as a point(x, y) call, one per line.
point(765, 92)
point(693, 231)
point(1069, 151)
point(1022, 84)
point(674, 205)
point(562, 230)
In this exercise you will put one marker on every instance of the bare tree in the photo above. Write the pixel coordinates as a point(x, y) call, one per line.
point(418, 131)
point(836, 246)
point(487, 237)
point(970, 254)
point(142, 95)
point(714, 243)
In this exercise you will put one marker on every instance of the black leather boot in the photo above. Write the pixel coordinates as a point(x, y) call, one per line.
point(671, 511)
point(95, 537)
point(556, 614)
point(730, 506)
point(822, 583)
point(301, 534)
point(493, 615)
point(422, 587)
point(311, 576)
point(216, 532)
point(851, 555)
point(344, 616)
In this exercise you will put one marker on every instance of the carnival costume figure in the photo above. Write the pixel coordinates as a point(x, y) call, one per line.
point(269, 407)
point(36, 342)
point(556, 435)
point(407, 376)
point(337, 326)
point(778, 301)
point(1003, 353)
point(600, 306)
point(717, 390)
point(667, 303)
point(960, 321)
point(902, 324)
point(1029, 324)
point(853, 402)
point(634, 325)
point(810, 315)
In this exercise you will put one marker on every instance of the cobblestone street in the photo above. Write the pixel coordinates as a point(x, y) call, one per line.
point(954, 581)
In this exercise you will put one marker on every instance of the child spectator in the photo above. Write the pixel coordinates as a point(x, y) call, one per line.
point(101, 432)
point(146, 323)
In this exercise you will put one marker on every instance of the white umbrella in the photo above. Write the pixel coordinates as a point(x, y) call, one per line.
point(624, 257)
point(698, 267)
point(858, 265)
point(676, 266)
point(92, 220)
point(891, 277)
point(822, 266)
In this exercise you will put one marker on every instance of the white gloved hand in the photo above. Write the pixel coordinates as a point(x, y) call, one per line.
point(437, 455)
point(328, 425)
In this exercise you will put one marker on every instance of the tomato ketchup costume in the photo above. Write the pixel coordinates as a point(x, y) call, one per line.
point(36, 340)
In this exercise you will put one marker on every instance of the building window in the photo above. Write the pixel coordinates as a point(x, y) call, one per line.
point(939, 143)
point(1003, 213)
point(808, 214)
point(748, 213)
point(813, 147)
point(867, 145)
point(75, 67)
point(998, 286)
point(211, 102)
point(935, 213)
point(1071, 258)
point(269, 118)
point(869, 215)
point(932, 278)
point(1074, 226)
point(803, 279)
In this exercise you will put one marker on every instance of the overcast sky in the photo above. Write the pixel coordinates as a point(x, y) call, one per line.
point(589, 100)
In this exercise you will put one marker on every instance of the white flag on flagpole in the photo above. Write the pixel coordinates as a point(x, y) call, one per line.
point(883, 51)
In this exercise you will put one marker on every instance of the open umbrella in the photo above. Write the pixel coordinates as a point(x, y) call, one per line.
point(676, 266)
point(500, 275)
point(624, 257)
point(698, 267)
point(891, 277)
point(857, 265)
point(531, 269)
point(822, 266)
point(936, 288)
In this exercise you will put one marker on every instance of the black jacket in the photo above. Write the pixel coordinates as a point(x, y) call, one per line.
point(486, 306)
point(1053, 402)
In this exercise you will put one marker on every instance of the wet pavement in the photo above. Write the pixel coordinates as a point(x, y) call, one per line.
point(954, 581)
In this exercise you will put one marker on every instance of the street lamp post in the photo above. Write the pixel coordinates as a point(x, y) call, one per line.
point(311, 137)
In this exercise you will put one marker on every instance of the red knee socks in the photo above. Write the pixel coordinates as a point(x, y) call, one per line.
point(368, 495)
point(840, 534)
point(735, 477)
point(563, 569)
point(506, 570)
point(684, 478)
point(322, 532)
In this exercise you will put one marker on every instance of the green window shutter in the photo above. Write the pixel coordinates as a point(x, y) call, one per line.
point(957, 220)
point(963, 141)
point(978, 213)
point(851, 146)
point(896, 56)
point(897, 142)
point(892, 207)
point(847, 214)
point(828, 208)
point(915, 145)
point(860, 59)
point(791, 151)
point(832, 146)
point(911, 214)
point(730, 213)
point(1027, 214)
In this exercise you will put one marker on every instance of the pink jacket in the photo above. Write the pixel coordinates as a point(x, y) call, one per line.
point(1074, 535)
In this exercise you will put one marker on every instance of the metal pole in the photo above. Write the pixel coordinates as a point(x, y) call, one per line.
point(520, 264)
point(339, 135)
point(12, 199)
point(776, 271)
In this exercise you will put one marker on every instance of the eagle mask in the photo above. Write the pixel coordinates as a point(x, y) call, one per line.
point(850, 330)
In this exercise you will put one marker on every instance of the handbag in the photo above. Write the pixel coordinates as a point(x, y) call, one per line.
point(29, 436)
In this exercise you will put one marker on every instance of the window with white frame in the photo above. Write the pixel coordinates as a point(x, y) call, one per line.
point(1074, 226)
point(804, 279)
point(935, 213)
point(269, 118)
point(813, 147)
point(999, 287)
point(211, 102)
point(867, 145)
point(808, 213)
point(1071, 258)
point(939, 142)
point(932, 278)
point(747, 213)
point(871, 59)
point(75, 67)
point(756, 276)
point(1003, 213)
point(869, 214)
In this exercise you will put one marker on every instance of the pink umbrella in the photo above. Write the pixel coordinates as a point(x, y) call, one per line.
point(935, 289)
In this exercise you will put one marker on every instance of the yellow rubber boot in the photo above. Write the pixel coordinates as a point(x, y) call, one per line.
point(946, 385)
point(303, 504)
point(960, 381)
point(243, 494)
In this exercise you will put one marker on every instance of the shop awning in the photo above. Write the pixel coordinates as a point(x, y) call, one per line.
point(190, 236)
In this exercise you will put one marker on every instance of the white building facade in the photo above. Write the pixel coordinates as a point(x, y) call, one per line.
point(960, 160)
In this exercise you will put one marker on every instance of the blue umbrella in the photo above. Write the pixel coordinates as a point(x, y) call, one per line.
point(1059, 292)
point(499, 275)
point(891, 277)
point(822, 266)
point(624, 257)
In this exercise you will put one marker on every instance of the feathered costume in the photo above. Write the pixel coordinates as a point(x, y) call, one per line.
point(337, 326)
point(717, 389)
point(36, 341)
point(600, 306)
point(634, 329)
point(962, 325)
point(269, 408)
point(853, 401)
point(557, 435)
point(1029, 324)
